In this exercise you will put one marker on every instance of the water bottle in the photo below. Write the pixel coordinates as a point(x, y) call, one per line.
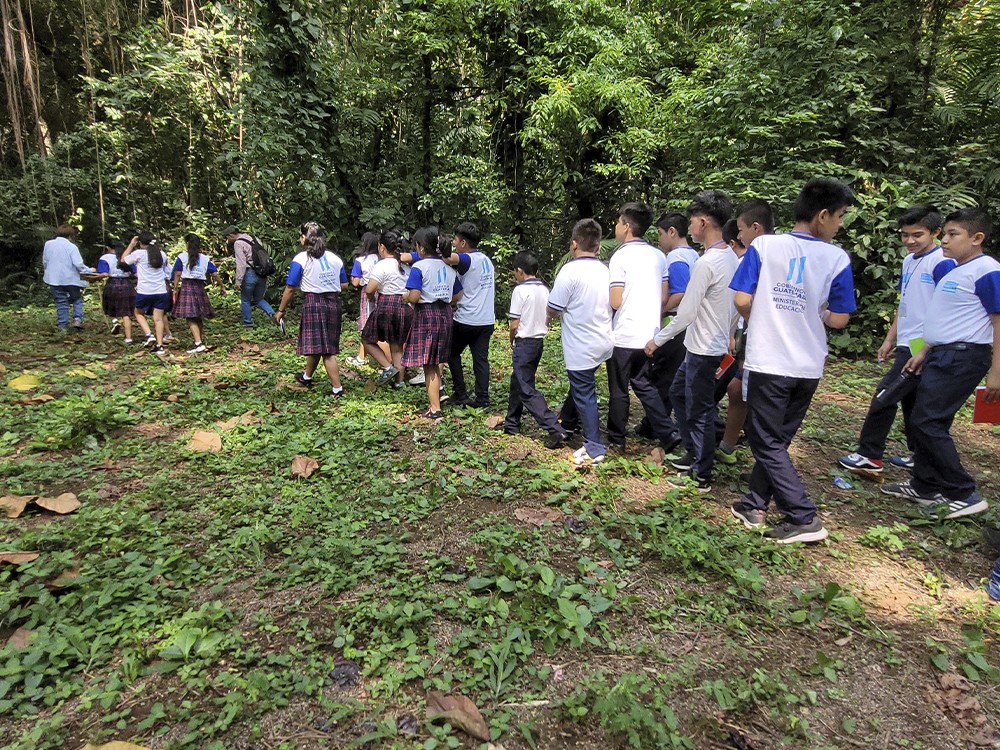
point(898, 388)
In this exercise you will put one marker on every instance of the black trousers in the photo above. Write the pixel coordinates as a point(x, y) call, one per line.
point(878, 421)
point(523, 393)
point(777, 405)
point(477, 340)
point(950, 376)
point(630, 367)
point(663, 367)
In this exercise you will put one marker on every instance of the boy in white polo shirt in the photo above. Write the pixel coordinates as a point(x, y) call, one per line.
point(580, 294)
point(638, 292)
point(795, 284)
point(962, 337)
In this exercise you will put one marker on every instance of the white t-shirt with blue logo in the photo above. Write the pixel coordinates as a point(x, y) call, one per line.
point(680, 261)
point(317, 275)
point(639, 269)
point(916, 285)
point(582, 293)
point(793, 278)
point(199, 270)
point(108, 264)
point(476, 308)
point(436, 280)
point(964, 299)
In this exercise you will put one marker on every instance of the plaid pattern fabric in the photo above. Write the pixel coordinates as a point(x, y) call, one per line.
point(192, 300)
point(367, 308)
point(118, 299)
point(319, 327)
point(429, 342)
point(390, 322)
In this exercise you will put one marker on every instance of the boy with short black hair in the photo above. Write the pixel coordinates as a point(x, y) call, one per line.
point(528, 325)
point(580, 294)
point(474, 317)
point(962, 344)
point(707, 317)
point(923, 267)
point(795, 283)
point(754, 218)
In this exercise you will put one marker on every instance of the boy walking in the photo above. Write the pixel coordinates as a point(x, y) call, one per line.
point(707, 314)
point(962, 337)
point(923, 268)
point(795, 284)
point(474, 318)
point(580, 294)
point(528, 304)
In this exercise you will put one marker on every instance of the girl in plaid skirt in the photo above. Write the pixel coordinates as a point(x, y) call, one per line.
point(118, 298)
point(392, 317)
point(322, 277)
point(190, 271)
point(432, 287)
point(365, 259)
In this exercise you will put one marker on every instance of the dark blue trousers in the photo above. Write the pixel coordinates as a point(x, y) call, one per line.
point(630, 368)
point(477, 340)
point(579, 411)
point(696, 409)
point(878, 421)
point(950, 376)
point(523, 393)
point(776, 407)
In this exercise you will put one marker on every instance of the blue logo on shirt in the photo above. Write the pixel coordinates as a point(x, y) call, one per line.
point(324, 264)
point(801, 263)
point(926, 278)
point(949, 287)
point(442, 275)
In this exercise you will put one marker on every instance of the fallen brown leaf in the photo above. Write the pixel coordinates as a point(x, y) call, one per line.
point(41, 398)
point(20, 638)
point(538, 516)
point(371, 386)
point(494, 422)
point(205, 440)
point(16, 558)
point(65, 503)
point(25, 382)
point(459, 711)
point(173, 398)
point(656, 455)
point(246, 418)
point(14, 504)
point(63, 580)
point(304, 466)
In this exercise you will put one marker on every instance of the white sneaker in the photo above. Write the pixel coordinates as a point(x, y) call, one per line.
point(581, 458)
point(160, 351)
point(78, 323)
point(116, 327)
point(199, 347)
point(417, 379)
point(356, 362)
point(167, 339)
point(127, 342)
point(150, 341)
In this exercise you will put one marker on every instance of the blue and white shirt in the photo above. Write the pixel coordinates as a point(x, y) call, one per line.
point(793, 278)
point(199, 270)
point(151, 280)
point(317, 275)
point(108, 264)
point(964, 299)
point(436, 280)
point(680, 261)
point(917, 280)
point(363, 266)
point(476, 308)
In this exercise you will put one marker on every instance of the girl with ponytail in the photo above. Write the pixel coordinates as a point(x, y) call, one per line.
point(190, 271)
point(392, 317)
point(322, 277)
point(152, 293)
point(365, 258)
point(432, 287)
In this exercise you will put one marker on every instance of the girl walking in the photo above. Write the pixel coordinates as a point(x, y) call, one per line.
point(366, 258)
point(392, 318)
point(191, 301)
point(151, 295)
point(118, 299)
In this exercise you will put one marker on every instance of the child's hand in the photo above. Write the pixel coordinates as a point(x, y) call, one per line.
point(651, 347)
point(916, 364)
point(885, 350)
point(992, 394)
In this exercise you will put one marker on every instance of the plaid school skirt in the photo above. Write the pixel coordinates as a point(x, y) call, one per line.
point(429, 342)
point(118, 299)
point(192, 300)
point(391, 320)
point(319, 327)
point(367, 308)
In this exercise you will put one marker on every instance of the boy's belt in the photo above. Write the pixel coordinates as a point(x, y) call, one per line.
point(961, 347)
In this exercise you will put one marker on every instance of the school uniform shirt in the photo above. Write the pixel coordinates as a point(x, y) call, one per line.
point(362, 267)
point(680, 261)
point(528, 303)
point(639, 269)
point(581, 293)
point(964, 299)
point(707, 311)
point(436, 280)
point(200, 270)
point(151, 280)
point(919, 276)
point(62, 263)
point(391, 276)
point(793, 278)
point(317, 275)
point(108, 263)
point(477, 306)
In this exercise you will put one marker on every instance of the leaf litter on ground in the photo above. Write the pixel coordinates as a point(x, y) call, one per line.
point(304, 466)
point(458, 711)
point(205, 441)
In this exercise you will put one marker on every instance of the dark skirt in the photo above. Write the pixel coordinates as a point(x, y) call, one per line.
point(118, 299)
point(429, 342)
point(192, 300)
point(319, 327)
point(390, 322)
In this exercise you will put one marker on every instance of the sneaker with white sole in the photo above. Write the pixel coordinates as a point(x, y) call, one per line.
point(150, 341)
point(116, 327)
point(857, 462)
point(752, 518)
point(970, 506)
point(417, 379)
point(159, 351)
point(78, 323)
point(906, 490)
point(356, 362)
point(684, 463)
point(787, 532)
point(198, 348)
point(901, 462)
point(582, 458)
point(388, 374)
point(127, 342)
point(168, 338)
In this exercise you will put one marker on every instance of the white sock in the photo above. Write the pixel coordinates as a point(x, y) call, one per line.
point(338, 390)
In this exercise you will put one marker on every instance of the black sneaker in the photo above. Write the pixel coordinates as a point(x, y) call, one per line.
point(684, 463)
point(991, 535)
point(787, 532)
point(555, 440)
point(433, 415)
point(752, 518)
point(301, 379)
point(670, 444)
point(701, 486)
point(116, 328)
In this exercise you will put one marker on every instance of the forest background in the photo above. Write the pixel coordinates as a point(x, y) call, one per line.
point(186, 115)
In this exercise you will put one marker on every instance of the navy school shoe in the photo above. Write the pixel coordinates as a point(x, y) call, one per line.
point(787, 532)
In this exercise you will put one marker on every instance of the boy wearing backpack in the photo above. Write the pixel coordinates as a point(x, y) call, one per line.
point(250, 282)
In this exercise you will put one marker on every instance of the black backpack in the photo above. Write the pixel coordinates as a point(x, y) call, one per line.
point(260, 261)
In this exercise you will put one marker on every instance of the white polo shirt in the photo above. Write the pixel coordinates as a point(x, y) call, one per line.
point(964, 299)
point(917, 280)
point(640, 270)
point(581, 293)
point(527, 306)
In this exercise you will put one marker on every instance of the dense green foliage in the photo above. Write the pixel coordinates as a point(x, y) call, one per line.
point(523, 116)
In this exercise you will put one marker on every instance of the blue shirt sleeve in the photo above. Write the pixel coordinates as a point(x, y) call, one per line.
point(134, 269)
point(356, 271)
point(416, 280)
point(178, 266)
point(212, 268)
point(343, 275)
point(458, 286)
point(680, 275)
point(294, 275)
point(464, 263)
point(841, 298)
point(943, 268)
point(103, 267)
point(988, 291)
point(748, 274)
